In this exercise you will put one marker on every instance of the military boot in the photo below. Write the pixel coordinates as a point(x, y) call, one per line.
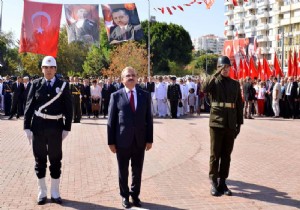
point(42, 196)
point(214, 188)
point(55, 196)
point(223, 189)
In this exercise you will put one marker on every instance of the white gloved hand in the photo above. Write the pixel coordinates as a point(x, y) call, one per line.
point(28, 135)
point(64, 134)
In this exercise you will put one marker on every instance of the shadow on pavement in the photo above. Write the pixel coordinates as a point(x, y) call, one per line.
point(262, 193)
point(80, 205)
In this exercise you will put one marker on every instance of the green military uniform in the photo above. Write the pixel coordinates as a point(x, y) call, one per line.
point(76, 91)
point(226, 116)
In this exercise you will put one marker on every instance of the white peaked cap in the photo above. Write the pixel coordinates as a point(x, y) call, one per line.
point(49, 61)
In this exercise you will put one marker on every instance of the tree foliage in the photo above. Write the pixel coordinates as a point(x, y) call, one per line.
point(169, 43)
point(209, 60)
point(127, 54)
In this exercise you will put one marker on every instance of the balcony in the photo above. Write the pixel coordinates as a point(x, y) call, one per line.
point(262, 38)
point(251, 17)
point(250, 5)
point(285, 8)
point(262, 3)
point(262, 27)
point(229, 33)
point(250, 29)
point(264, 50)
point(295, 6)
point(263, 14)
point(238, 9)
point(229, 12)
point(239, 20)
point(294, 20)
point(241, 31)
point(228, 3)
point(285, 21)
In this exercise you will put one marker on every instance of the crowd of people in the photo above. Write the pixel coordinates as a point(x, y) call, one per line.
point(272, 98)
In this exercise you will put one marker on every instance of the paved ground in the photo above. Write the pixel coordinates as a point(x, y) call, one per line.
point(264, 171)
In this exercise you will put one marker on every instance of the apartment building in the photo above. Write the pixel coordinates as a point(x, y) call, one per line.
point(209, 42)
point(275, 24)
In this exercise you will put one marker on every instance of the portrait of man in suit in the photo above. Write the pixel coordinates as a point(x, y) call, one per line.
point(123, 29)
point(83, 26)
point(130, 133)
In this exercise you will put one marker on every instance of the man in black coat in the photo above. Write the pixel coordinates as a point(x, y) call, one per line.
point(291, 95)
point(86, 98)
point(17, 98)
point(7, 92)
point(107, 90)
point(27, 85)
point(174, 95)
point(47, 121)
point(130, 133)
point(248, 97)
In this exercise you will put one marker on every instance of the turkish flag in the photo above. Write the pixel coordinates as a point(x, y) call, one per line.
point(246, 69)
point(298, 72)
point(266, 71)
point(295, 64)
point(253, 71)
point(290, 65)
point(235, 2)
point(40, 28)
point(233, 71)
point(241, 69)
point(259, 71)
point(277, 68)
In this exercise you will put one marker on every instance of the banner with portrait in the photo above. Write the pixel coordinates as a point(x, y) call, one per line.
point(122, 22)
point(241, 49)
point(82, 22)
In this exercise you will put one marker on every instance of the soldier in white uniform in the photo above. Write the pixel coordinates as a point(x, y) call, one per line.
point(161, 97)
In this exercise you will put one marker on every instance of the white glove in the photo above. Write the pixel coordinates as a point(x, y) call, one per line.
point(28, 135)
point(64, 134)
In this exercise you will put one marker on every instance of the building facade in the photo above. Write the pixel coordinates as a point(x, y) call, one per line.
point(275, 25)
point(209, 42)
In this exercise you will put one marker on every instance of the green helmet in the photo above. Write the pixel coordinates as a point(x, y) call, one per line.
point(223, 60)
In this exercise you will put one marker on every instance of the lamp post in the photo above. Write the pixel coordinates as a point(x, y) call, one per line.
point(148, 38)
point(1, 16)
point(282, 48)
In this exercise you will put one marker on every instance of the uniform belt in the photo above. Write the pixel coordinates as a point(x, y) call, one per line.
point(75, 93)
point(223, 104)
point(47, 116)
point(8, 91)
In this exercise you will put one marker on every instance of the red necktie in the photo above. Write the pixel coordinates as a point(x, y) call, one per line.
point(132, 101)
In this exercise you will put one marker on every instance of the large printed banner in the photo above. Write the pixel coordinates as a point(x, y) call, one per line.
point(82, 22)
point(122, 22)
point(40, 28)
point(240, 49)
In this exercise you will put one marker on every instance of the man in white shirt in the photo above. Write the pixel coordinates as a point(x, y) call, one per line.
point(276, 93)
point(161, 97)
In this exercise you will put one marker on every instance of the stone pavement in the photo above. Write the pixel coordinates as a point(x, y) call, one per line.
point(265, 169)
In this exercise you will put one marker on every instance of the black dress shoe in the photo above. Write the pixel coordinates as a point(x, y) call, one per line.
point(223, 189)
point(56, 200)
point(42, 201)
point(125, 203)
point(136, 202)
point(214, 190)
point(10, 117)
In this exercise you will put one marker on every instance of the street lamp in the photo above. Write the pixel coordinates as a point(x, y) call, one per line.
point(1, 16)
point(206, 65)
point(148, 38)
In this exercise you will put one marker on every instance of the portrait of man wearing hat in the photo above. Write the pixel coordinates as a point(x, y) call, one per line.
point(47, 121)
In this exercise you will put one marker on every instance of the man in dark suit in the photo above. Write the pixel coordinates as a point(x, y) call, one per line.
point(27, 85)
point(226, 118)
point(249, 97)
point(174, 95)
point(76, 90)
point(107, 90)
point(17, 102)
point(47, 121)
point(124, 30)
point(86, 98)
point(130, 133)
point(291, 95)
point(7, 92)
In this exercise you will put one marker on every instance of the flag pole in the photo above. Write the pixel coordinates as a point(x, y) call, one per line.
point(282, 49)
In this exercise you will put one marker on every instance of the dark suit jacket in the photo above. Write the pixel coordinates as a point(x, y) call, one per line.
point(26, 91)
point(124, 126)
point(107, 90)
point(38, 96)
point(17, 91)
point(248, 92)
point(150, 87)
point(132, 33)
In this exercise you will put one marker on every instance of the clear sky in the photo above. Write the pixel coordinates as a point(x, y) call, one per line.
point(196, 19)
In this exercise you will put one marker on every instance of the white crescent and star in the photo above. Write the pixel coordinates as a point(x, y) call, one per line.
point(44, 14)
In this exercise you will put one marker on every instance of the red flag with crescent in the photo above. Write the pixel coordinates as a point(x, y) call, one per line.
point(40, 28)
point(278, 70)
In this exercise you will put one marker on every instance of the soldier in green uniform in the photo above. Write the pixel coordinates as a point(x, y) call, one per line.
point(76, 90)
point(226, 117)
